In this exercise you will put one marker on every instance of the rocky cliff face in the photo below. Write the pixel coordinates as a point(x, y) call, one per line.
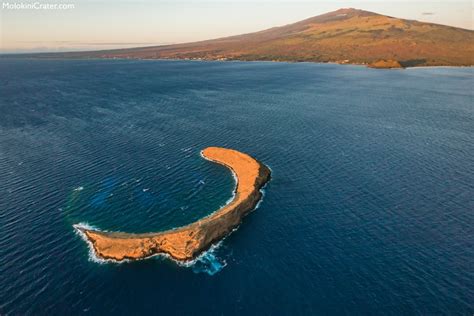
point(187, 242)
point(217, 228)
point(385, 64)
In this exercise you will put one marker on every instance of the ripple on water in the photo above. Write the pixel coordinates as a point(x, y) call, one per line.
point(369, 212)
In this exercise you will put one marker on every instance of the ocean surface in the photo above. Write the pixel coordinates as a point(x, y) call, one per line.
point(370, 209)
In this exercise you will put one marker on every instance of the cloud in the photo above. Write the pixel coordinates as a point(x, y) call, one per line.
point(428, 13)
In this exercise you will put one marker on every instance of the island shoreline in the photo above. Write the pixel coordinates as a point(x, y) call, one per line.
point(365, 65)
point(186, 243)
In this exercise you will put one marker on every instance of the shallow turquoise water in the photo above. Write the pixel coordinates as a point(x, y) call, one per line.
point(369, 210)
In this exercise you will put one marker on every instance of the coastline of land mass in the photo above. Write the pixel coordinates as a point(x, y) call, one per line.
point(187, 242)
point(345, 36)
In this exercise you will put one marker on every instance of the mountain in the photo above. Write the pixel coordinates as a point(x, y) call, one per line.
point(343, 36)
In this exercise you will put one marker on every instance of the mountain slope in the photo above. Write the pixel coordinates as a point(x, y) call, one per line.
point(345, 36)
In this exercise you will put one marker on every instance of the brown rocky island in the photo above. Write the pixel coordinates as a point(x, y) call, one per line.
point(187, 242)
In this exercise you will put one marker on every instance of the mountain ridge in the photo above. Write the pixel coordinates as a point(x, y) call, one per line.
point(343, 36)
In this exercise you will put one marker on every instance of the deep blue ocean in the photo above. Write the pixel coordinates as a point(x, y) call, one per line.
point(370, 209)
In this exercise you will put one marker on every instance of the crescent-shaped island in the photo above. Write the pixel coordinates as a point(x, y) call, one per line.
point(187, 242)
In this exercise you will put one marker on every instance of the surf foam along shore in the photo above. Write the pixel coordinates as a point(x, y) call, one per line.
point(207, 262)
point(188, 242)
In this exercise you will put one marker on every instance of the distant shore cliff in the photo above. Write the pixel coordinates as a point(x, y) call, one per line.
point(185, 243)
point(385, 64)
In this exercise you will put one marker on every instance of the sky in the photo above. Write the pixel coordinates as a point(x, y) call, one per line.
point(105, 24)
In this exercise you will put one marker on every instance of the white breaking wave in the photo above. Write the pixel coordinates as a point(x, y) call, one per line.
point(92, 255)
